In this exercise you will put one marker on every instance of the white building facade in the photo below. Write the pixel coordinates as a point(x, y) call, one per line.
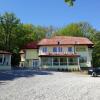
point(63, 52)
point(59, 52)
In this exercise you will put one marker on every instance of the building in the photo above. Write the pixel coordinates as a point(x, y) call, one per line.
point(29, 55)
point(5, 60)
point(59, 52)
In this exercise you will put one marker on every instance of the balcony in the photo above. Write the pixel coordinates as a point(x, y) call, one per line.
point(58, 54)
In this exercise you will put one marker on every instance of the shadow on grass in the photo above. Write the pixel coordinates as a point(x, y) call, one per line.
point(10, 75)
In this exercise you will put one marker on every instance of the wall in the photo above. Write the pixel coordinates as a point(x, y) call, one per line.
point(22, 57)
point(88, 55)
point(6, 62)
point(50, 49)
point(4, 67)
point(31, 54)
point(85, 53)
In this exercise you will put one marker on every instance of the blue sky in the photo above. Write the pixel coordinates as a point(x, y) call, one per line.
point(53, 12)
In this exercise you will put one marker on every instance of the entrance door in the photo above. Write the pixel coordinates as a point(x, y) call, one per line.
point(35, 63)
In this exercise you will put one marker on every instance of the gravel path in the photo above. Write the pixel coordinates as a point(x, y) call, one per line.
point(48, 85)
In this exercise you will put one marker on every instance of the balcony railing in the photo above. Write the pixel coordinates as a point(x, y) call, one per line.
point(55, 53)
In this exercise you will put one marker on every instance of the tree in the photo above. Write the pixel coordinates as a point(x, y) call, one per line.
point(8, 26)
point(71, 30)
point(70, 2)
point(39, 32)
point(96, 49)
point(82, 29)
point(86, 29)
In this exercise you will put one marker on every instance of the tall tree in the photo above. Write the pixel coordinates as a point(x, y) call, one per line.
point(71, 30)
point(96, 49)
point(8, 26)
point(39, 32)
point(86, 29)
point(83, 29)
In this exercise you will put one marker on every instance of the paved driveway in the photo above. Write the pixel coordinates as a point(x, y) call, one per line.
point(48, 85)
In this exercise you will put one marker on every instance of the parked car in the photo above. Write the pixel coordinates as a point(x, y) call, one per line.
point(94, 71)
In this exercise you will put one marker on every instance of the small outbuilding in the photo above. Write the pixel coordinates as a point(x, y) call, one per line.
point(5, 60)
point(29, 55)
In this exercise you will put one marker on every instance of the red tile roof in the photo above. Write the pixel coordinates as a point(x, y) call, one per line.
point(31, 45)
point(65, 40)
point(4, 52)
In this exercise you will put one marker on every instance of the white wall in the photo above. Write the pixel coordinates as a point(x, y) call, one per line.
point(87, 53)
point(50, 49)
point(31, 54)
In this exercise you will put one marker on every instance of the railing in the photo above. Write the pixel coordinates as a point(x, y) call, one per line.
point(56, 53)
point(72, 63)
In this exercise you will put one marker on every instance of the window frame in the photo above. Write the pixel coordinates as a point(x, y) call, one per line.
point(1, 57)
point(44, 49)
point(70, 49)
point(57, 49)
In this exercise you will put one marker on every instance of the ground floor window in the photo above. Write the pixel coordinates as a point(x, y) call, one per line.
point(1, 59)
point(83, 59)
point(46, 61)
point(4, 59)
point(57, 61)
point(35, 63)
point(72, 61)
point(63, 61)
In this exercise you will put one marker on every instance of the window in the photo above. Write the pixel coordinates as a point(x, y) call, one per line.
point(80, 48)
point(44, 49)
point(73, 61)
point(0, 59)
point(83, 59)
point(46, 61)
point(69, 49)
point(63, 61)
point(55, 49)
point(55, 61)
point(59, 49)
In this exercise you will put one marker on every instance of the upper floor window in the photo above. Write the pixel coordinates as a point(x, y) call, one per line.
point(83, 59)
point(80, 48)
point(69, 49)
point(59, 49)
point(55, 49)
point(45, 49)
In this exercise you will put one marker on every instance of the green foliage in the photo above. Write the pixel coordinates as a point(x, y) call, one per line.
point(70, 2)
point(8, 27)
point(13, 34)
point(81, 29)
point(71, 30)
point(96, 49)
